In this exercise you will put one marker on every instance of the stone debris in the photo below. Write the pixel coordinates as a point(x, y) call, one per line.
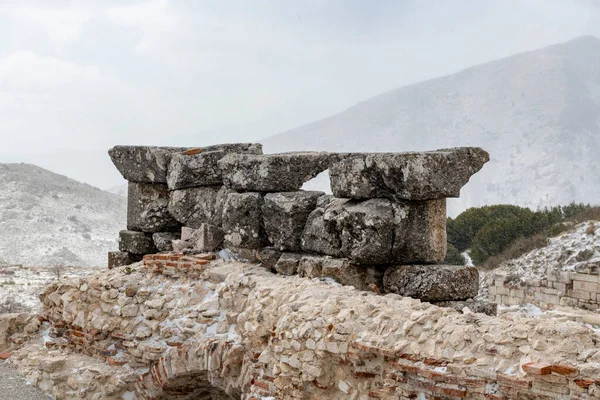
point(147, 208)
point(285, 172)
point(432, 282)
point(164, 240)
point(285, 215)
point(406, 176)
point(201, 169)
point(136, 242)
point(143, 164)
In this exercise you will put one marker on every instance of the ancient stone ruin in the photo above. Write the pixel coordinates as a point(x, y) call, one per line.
point(384, 228)
point(339, 297)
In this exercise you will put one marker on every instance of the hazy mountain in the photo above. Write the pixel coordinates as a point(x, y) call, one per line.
point(537, 113)
point(49, 219)
point(120, 190)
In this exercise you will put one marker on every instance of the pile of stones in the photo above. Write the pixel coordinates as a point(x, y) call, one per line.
point(383, 229)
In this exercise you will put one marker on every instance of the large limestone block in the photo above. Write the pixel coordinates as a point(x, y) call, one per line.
point(147, 208)
point(377, 231)
point(200, 168)
point(145, 164)
point(432, 282)
point(285, 215)
point(242, 221)
point(285, 172)
point(195, 206)
point(342, 271)
point(136, 242)
point(406, 176)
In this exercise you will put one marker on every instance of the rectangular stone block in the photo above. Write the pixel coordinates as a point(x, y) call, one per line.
point(199, 167)
point(578, 294)
point(121, 258)
point(242, 221)
point(343, 271)
point(195, 206)
point(377, 231)
point(136, 242)
point(285, 216)
point(587, 286)
point(148, 208)
point(406, 176)
point(584, 277)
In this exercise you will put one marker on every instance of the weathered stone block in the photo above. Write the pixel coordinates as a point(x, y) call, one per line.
point(269, 257)
point(207, 238)
point(285, 172)
point(163, 240)
point(406, 176)
point(341, 270)
point(432, 282)
point(195, 206)
point(377, 231)
point(121, 258)
point(288, 263)
point(285, 215)
point(200, 168)
point(145, 164)
point(136, 242)
point(242, 221)
point(147, 208)
point(181, 245)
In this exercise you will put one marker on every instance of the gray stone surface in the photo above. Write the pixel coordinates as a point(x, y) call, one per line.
point(136, 242)
point(242, 221)
point(406, 176)
point(285, 172)
point(147, 208)
point(180, 245)
point(121, 258)
point(432, 282)
point(201, 169)
point(475, 306)
point(195, 206)
point(288, 263)
point(207, 237)
point(285, 215)
point(269, 257)
point(163, 240)
point(342, 271)
point(145, 164)
point(377, 231)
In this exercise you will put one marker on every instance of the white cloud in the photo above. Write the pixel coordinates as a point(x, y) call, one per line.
point(61, 25)
point(152, 18)
point(25, 70)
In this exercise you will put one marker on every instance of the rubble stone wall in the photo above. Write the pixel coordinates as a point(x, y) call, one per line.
point(196, 328)
point(560, 288)
point(388, 212)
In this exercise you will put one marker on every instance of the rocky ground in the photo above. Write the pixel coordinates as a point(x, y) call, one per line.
point(14, 387)
point(20, 286)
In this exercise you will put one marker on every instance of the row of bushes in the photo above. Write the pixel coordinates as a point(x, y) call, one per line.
point(489, 231)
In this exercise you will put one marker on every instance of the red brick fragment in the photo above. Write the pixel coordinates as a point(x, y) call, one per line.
point(5, 356)
point(513, 381)
point(563, 369)
point(191, 152)
point(584, 383)
point(533, 368)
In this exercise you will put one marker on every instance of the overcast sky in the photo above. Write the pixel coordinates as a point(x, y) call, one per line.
point(77, 77)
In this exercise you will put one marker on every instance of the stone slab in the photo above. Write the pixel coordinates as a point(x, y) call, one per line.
point(342, 271)
point(285, 172)
point(243, 222)
point(121, 258)
point(406, 176)
point(200, 168)
point(143, 164)
point(194, 206)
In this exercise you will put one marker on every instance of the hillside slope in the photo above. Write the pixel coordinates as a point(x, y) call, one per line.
point(49, 219)
point(537, 113)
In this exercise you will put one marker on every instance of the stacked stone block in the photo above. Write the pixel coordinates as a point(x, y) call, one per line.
point(383, 229)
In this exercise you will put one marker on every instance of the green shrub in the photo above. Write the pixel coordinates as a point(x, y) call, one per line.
point(454, 257)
